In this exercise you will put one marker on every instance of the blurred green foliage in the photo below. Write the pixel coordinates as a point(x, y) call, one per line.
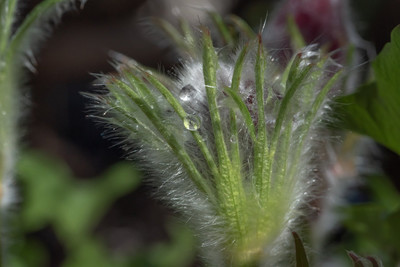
point(374, 225)
point(73, 207)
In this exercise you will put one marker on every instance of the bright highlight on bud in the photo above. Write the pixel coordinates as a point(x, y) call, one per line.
point(231, 142)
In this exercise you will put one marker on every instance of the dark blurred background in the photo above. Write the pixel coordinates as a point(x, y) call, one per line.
point(57, 124)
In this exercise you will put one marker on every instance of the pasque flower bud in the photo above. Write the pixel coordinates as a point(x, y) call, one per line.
point(230, 141)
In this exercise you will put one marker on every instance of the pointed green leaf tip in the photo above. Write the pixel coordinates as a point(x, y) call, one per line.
point(375, 109)
point(301, 256)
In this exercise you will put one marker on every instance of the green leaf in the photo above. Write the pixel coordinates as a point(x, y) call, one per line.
point(261, 147)
point(242, 26)
point(178, 251)
point(374, 224)
point(230, 188)
point(295, 34)
point(52, 195)
point(301, 256)
point(244, 111)
point(222, 28)
point(374, 110)
point(234, 93)
point(183, 42)
point(384, 193)
point(7, 14)
point(90, 253)
point(31, 21)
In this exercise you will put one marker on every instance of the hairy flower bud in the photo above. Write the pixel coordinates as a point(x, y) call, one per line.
point(231, 141)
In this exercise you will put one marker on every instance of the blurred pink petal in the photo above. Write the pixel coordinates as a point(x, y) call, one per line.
point(323, 22)
point(326, 24)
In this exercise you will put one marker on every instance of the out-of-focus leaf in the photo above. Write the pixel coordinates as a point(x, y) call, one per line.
point(91, 253)
point(35, 254)
point(301, 256)
point(222, 28)
point(374, 224)
point(242, 26)
point(73, 206)
point(46, 183)
point(375, 110)
point(91, 199)
point(295, 35)
point(384, 193)
point(180, 251)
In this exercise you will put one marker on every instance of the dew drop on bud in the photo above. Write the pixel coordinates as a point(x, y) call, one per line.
point(311, 182)
point(192, 122)
point(187, 93)
point(310, 57)
point(276, 78)
point(272, 59)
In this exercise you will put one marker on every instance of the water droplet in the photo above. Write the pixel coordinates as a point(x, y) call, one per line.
point(192, 122)
point(233, 139)
point(310, 57)
point(311, 182)
point(187, 93)
point(273, 59)
point(276, 78)
point(270, 122)
point(315, 169)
